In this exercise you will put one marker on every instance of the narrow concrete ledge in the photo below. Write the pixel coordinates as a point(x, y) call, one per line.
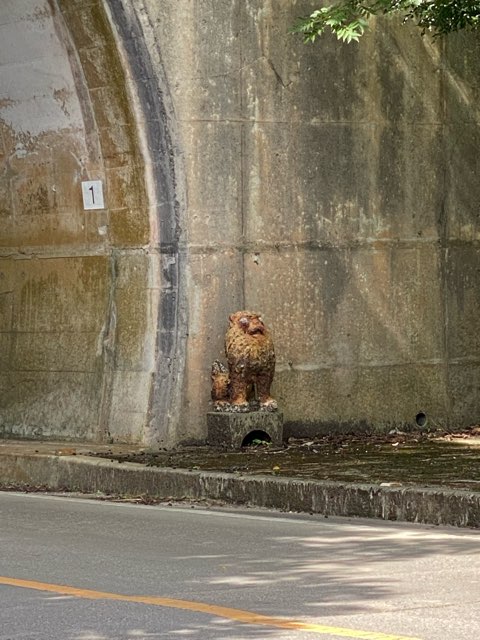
point(89, 475)
point(226, 429)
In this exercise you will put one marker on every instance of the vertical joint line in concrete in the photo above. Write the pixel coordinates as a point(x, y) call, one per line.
point(443, 230)
point(242, 22)
point(108, 346)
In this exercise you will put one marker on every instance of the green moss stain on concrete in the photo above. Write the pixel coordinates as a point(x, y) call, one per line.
point(98, 53)
point(128, 219)
point(62, 294)
point(132, 311)
point(74, 297)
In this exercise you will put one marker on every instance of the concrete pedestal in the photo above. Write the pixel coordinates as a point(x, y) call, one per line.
point(228, 429)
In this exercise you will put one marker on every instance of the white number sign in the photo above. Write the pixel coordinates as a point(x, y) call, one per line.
point(92, 191)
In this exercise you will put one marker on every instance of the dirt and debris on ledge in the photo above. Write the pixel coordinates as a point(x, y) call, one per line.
point(450, 460)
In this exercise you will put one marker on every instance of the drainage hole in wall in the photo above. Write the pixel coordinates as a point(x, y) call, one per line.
point(256, 439)
point(421, 419)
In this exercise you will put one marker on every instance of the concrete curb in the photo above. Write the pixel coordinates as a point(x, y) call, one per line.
point(85, 474)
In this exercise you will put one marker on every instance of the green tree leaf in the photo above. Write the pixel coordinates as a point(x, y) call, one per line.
point(348, 19)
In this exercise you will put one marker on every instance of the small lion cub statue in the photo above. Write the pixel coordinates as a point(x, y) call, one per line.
point(251, 366)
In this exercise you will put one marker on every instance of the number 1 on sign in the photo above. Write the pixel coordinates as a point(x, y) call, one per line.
point(92, 191)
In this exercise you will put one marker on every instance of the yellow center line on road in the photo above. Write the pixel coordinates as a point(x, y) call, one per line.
point(246, 617)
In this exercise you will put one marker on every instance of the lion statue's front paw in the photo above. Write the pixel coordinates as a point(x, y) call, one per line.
point(269, 405)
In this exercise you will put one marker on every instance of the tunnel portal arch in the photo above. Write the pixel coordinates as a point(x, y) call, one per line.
point(90, 299)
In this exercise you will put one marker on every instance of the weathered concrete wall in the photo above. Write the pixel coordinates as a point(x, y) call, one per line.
point(333, 188)
point(77, 319)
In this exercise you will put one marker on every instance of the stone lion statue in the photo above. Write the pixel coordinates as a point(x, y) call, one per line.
point(251, 365)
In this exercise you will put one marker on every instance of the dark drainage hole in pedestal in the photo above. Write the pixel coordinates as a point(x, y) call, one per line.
point(256, 438)
point(421, 419)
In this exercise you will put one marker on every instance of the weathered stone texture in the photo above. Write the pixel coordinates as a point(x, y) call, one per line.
point(351, 398)
point(232, 430)
point(65, 324)
point(56, 404)
point(215, 195)
point(216, 290)
point(463, 303)
point(333, 188)
point(354, 176)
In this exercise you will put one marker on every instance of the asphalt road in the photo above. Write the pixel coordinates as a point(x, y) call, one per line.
point(73, 569)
